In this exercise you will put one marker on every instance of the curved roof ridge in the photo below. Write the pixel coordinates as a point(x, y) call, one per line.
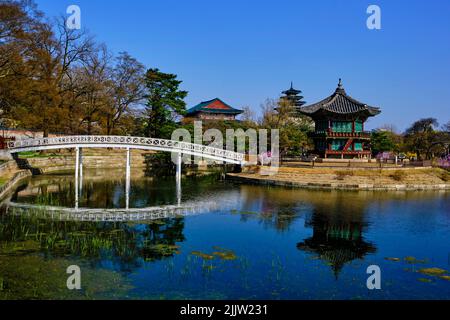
point(333, 97)
point(340, 103)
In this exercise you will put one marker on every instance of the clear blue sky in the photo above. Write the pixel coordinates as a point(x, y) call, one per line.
point(245, 51)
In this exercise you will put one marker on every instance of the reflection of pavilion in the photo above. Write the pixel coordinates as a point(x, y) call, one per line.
point(337, 242)
point(337, 234)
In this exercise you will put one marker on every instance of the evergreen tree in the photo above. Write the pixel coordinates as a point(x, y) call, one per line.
point(382, 141)
point(165, 103)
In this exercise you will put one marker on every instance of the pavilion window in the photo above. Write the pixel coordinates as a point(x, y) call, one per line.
point(359, 126)
point(338, 145)
point(358, 146)
point(343, 126)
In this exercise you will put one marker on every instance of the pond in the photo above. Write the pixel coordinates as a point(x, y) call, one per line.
point(255, 242)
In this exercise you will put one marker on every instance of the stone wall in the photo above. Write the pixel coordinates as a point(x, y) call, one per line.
point(5, 155)
point(8, 168)
point(348, 179)
point(92, 158)
point(7, 187)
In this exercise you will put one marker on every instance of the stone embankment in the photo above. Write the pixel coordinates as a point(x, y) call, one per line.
point(348, 179)
point(10, 175)
point(92, 159)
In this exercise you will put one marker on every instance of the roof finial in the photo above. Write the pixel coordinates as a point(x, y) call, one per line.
point(340, 89)
point(292, 84)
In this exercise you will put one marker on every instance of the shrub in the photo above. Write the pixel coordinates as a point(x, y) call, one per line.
point(445, 176)
point(398, 175)
point(340, 175)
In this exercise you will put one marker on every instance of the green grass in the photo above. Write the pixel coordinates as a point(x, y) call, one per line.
point(33, 154)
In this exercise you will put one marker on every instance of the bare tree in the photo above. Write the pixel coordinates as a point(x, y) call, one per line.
point(95, 86)
point(128, 90)
point(248, 115)
point(446, 127)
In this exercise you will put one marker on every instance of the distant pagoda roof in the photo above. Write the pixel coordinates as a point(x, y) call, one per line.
point(216, 106)
point(291, 91)
point(293, 96)
point(340, 103)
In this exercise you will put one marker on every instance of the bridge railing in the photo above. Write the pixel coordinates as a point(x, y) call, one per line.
point(173, 146)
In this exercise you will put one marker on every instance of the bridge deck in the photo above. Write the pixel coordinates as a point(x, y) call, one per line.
point(72, 142)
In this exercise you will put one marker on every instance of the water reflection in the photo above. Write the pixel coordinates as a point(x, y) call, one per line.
point(336, 218)
point(114, 191)
point(125, 244)
point(337, 238)
point(276, 234)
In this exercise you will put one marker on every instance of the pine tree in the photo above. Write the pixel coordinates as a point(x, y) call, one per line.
point(165, 103)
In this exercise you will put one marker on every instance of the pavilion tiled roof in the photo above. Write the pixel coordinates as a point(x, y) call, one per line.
point(214, 106)
point(341, 103)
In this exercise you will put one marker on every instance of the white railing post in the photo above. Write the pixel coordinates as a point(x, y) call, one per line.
point(77, 168)
point(128, 178)
point(81, 170)
point(179, 164)
point(178, 177)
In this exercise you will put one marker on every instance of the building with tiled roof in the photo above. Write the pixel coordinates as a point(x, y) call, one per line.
point(339, 125)
point(214, 109)
point(293, 97)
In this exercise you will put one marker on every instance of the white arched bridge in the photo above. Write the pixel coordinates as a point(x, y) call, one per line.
point(79, 143)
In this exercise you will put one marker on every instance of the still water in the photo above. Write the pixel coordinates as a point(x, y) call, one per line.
point(256, 242)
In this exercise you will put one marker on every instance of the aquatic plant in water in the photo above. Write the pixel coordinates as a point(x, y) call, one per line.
point(202, 255)
point(96, 240)
point(22, 278)
point(393, 259)
point(224, 254)
point(433, 271)
point(413, 260)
